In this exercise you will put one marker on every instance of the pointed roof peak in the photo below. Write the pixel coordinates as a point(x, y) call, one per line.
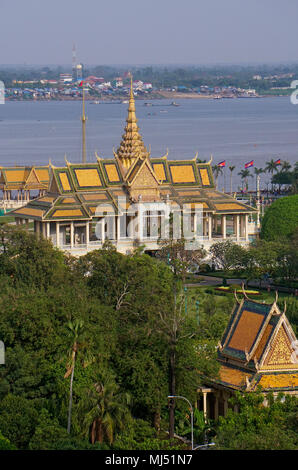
point(132, 146)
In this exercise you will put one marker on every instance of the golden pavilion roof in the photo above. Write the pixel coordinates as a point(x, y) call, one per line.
point(258, 349)
point(24, 177)
point(132, 146)
point(82, 187)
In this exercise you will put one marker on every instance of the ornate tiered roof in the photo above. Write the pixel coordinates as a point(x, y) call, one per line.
point(24, 177)
point(83, 187)
point(258, 349)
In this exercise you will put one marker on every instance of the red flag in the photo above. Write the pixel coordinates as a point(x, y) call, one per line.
point(81, 83)
point(249, 164)
point(223, 163)
point(278, 162)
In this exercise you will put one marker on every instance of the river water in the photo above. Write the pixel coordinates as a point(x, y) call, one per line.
point(235, 130)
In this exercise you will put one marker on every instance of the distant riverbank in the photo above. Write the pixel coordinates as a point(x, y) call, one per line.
point(161, 95)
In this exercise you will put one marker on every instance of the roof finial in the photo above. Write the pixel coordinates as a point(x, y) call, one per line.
point(276, 296)
point(285, 307)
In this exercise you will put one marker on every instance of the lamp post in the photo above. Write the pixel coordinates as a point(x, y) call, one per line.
point(191, 414)
point(185, 290)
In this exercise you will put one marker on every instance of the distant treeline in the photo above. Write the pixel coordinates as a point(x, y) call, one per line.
point(259, 77)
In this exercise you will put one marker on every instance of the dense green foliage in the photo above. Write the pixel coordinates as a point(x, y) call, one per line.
point(111, 370)
point(262, 259)
point(280, 219)
point(256, 427)
point(95, 345)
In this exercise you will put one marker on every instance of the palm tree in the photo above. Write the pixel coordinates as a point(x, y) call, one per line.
point(271, 167)
point(244, 175)
point(231, 168)
point(75, 329)
point(286, 166)
point(104, 410)
point(217, 170)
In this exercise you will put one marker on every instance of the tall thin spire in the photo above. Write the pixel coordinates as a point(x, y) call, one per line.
point(83, 119)
point(132, 146)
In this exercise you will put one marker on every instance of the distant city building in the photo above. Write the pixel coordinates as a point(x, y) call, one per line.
point(65, 78)
point(79, 71)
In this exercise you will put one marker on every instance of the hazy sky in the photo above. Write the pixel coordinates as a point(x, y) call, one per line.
point(148, 32)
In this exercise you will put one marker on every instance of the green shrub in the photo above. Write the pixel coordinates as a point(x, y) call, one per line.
point(280, 219)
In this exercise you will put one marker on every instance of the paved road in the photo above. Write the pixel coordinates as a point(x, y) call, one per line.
point(217, 281)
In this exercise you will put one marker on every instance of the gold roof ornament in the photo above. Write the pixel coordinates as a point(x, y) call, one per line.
point(132, 146)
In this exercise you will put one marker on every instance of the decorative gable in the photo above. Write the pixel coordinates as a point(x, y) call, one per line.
point(280, 352)
point(32, 179)
point(142, 182)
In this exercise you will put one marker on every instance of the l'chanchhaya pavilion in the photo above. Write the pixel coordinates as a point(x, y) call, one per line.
point(88, 203)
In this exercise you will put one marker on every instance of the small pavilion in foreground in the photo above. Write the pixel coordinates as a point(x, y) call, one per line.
point(258, 350)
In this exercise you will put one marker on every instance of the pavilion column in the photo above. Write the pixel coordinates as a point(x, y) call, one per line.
point(210, 227)
point(44, 234)
point(195, 223)
point(48, 230)
point(204, 227)
point(71, 234)
point(102, 230)
point(224, 226)
point(37, 228)
point(225, 405)
point(57, 234)
point(140, 224)
point(246, 227)
point(242, 226)
point(205, 405)
point(118, 227)
point(216, 407)
point(130, 227)
point(236, 226)
point(87, 233)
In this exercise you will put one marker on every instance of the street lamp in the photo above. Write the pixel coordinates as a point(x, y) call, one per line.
point(191, 414)
point(185, 290)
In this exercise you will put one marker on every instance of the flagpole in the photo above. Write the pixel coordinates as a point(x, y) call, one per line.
point(83, 118)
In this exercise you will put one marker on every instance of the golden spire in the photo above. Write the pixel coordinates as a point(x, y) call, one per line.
point(132, 146)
